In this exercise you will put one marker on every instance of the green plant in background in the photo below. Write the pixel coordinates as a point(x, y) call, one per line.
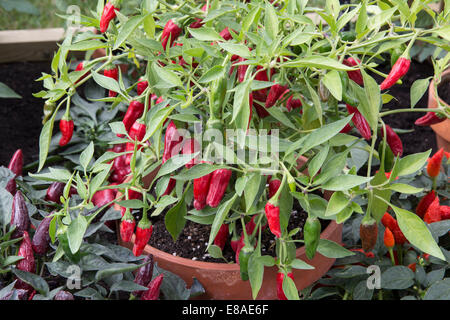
point(249, 67)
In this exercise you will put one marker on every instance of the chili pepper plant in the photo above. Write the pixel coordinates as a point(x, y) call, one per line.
point(207, 84)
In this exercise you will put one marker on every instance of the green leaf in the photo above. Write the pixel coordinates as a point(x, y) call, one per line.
point(75, 233)
point(404, 188)
point(251, 189)
point(115, 268)
point(439, 290)
point(255, 274)
point(197, 171)
point(416, 232)
point(86, 45)
point(271, 21)
point(205, 34)
point(127, 29)
point(289, 289)
point(397, 277)
point(331, 249)
point(212, 74)
point(106, 82)
point(316, 163)
point(300, 264)
point(167, 76)
point(221, 214)
point(332, 81)
point(238, 49)
point(86, 155)
point(175, 219)
point(373, 95)
point(33, 280)
point(411, 163)
point(318, 62)
point(337, 203)
point(44, 140)
point(344, 182)
point(418, 89)
point(7, 92)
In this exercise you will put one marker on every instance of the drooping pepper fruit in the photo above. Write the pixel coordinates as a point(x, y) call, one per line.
point(355, 75)
point(445, 212)
point(171, 30)
point(388, 238)
point(424, 203)
point(434, 163)
point(218, 186)
point(225, 34)
point(311, 232)
point(15, 165)
point(80, 67)
point(393, 141)
point(63, 295)
point(170, 186)
point(280, 278)
point(412, 266)
point(143, 233)
point(368, 232)
point(399, 69)
point(292, 104)
point(244, 256)
point(134, 112)
point(191, 146)
point(429, 119)
point(113, 73)
point(360, 122)
point(127, 226)
point(222, 236)
point(54, 192)
point(102, 197)
point(141, 86)
point(241, 70)
point(108, 14)
point(49, 108)
point(201, 188)
point(433, 213)
point(41, 238)
point(274, 185)
point(153, 288)
point(66, 127)
point(346, 129)
point(388, 221)
point(19, 215)
point(261, 96)
point(272, 211)
point(144, 274)
point(137, 133)
point(276, 93)
point(26, 251)
point(172, 142)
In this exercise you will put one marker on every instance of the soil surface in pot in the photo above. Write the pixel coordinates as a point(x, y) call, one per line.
point(21, 119)
point(193, 240)
point(444, 91)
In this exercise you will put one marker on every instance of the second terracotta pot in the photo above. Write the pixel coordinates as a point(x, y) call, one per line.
point(442, 130)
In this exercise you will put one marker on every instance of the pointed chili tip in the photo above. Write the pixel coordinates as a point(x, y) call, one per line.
point(16, 162)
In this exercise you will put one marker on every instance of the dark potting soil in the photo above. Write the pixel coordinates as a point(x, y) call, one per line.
point(21, 119)
point(444, 91)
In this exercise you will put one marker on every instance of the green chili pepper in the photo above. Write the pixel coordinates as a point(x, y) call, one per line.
point(244, 256)
point(49, 107)
point(219, 90)
point(346, 97)
point(311, 234)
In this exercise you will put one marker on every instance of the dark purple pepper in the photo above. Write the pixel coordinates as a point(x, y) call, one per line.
point(144, 275)
point(22, 294)
point(19, 215)
point(41, 238)
point(63, 295)
point(54, 192)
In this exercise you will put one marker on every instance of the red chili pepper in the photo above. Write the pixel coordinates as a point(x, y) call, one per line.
point(276, 93)
point(172, 142)
point(170, 186)
point(141, 86)
point(218, 186)
point(368, 232)
point(360, 122)
point(134, 112)
point(198, 23)
point(102, 197)
point(127, 226)
point(388, 238)
point(292, 104)
point(137, 133)
point(346, 129)
point(412, 266)
point(222, 236)
point(144, 274)
point(429, 119)
point(399, 69)
point(355, 75)
point(41, 238)
point(393, 140)
point(433, 213)
point(445, 212)
point(273, 218)
point(63, 295)
point(19, 215)
point(274, 185)
point(389, 222)
point(201, 188)
point(171, 30)
point(153, 288)
point(15, 165)
point(225, 34)
point(80, 67)
point(191, 146)
point(250, 104)
point(434, 163)
point(260, 110)
point(112, 73)
point(54, 192)
point(143, 234)
point(241, 70)
point(66, 127)
point(108, 14)
point(26, 251)
point(280, 278)
point(424, 203)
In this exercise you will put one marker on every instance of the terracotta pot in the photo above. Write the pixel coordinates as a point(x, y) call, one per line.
point(442, 129)
point(222, 281)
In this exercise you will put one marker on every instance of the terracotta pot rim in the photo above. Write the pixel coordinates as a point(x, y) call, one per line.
point(332, 226)
point(445, 77)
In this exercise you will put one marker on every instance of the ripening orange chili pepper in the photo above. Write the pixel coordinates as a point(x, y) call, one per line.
point(434, 163)
point(388, 238)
